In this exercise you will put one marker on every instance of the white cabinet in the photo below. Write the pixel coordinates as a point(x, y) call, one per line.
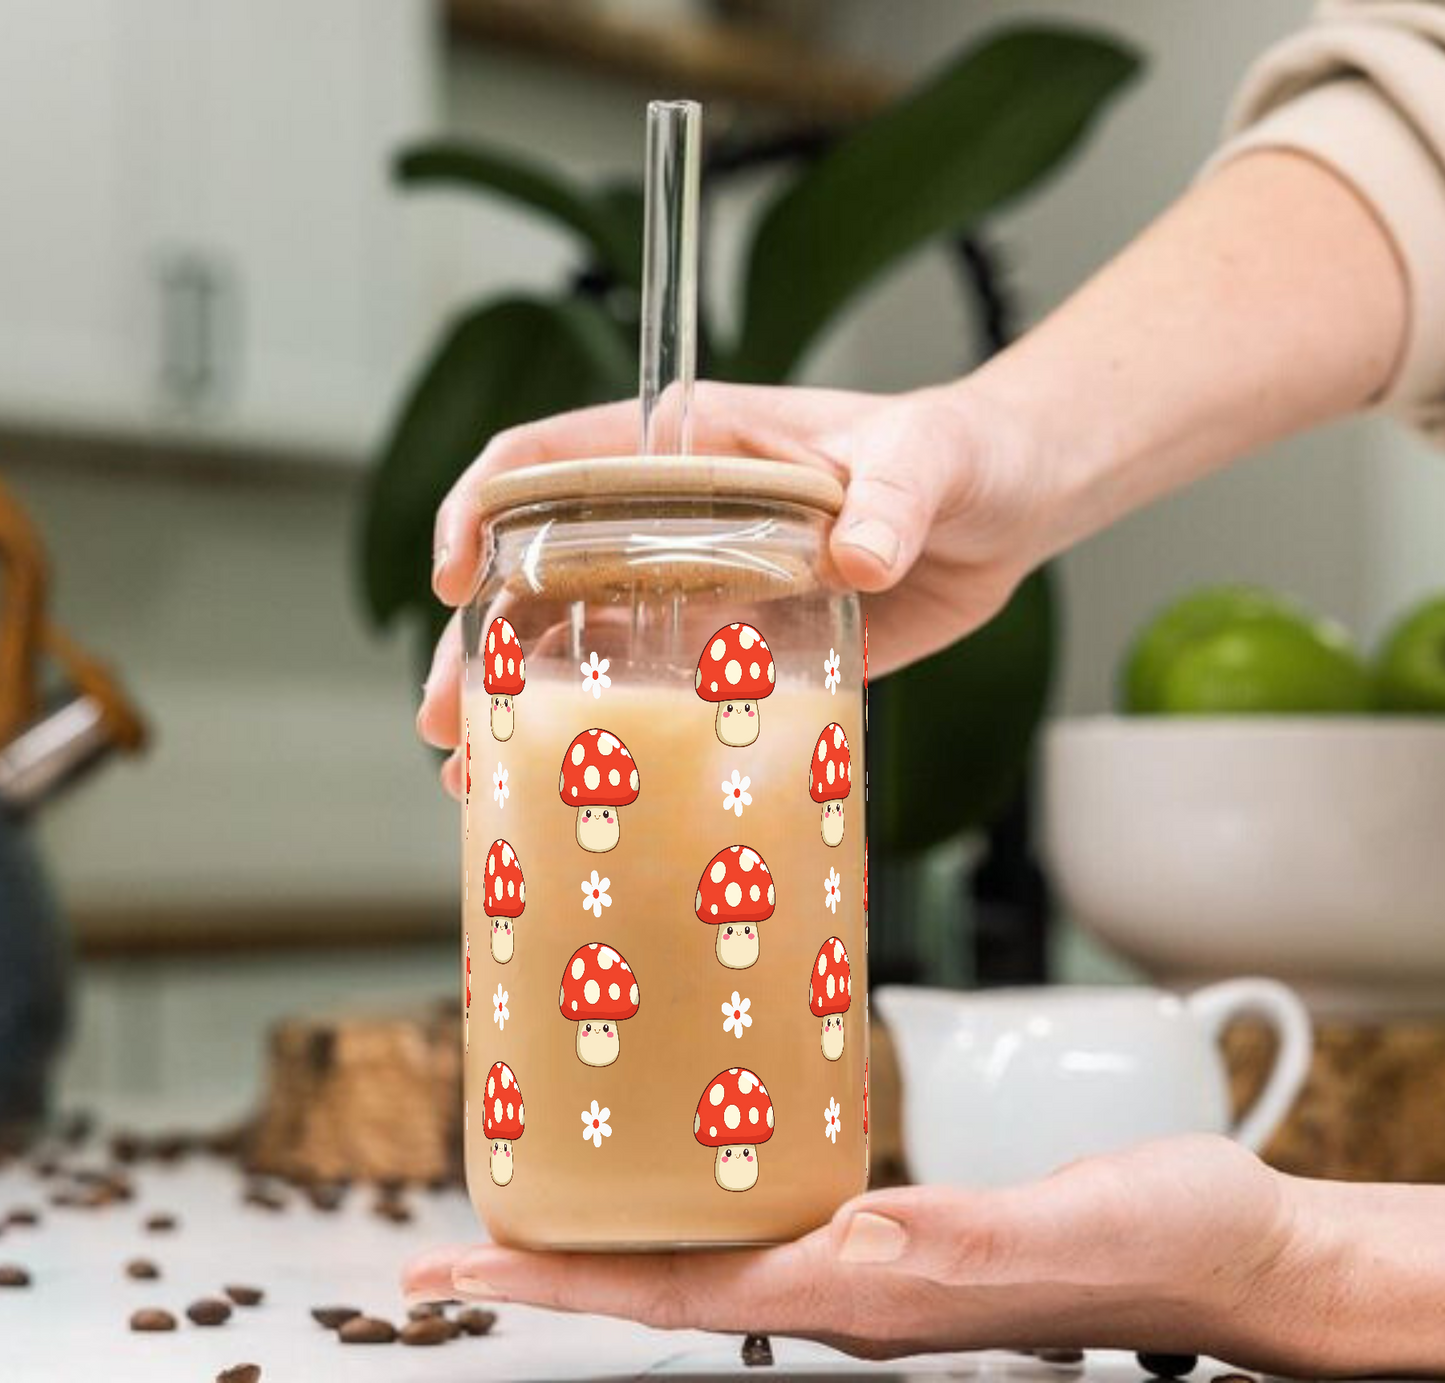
point(198, 231)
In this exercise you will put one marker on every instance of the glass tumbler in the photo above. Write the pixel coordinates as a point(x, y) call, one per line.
point(664, 857)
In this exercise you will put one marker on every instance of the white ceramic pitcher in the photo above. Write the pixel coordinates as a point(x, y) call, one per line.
point(1007, 1085)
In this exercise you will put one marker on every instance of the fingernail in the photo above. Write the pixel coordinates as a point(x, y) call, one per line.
point(475, 1289)
point(425, 1299)
point(439, 558)
point(873, 537)
point(873, 1239)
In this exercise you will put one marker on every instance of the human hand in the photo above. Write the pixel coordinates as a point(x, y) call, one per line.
point(941, 521)
point(1186, 1245)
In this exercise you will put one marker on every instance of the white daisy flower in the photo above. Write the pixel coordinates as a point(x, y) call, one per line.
point(594, 676)
point(736, 1016)
point(832, 1121)
point(500, 1011)
point(595, 895)
point(735, 793)
point(832, 674)
point(832, 890)
point(500, 790)
point(595, 1125)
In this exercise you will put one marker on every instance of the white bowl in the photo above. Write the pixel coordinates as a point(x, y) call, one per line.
point(1310, 849)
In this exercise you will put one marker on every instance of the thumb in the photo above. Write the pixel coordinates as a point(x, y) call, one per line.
point(898, 466)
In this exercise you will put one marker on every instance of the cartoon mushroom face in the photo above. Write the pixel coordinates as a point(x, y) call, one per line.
point(734, 894)
point(830, 992)
point(504, 674)
point(598, 776)
point(736, 671)
point(830, 776)
point(504, 895)
point(598, 992)
point(503, 1119)
point(735, 1116)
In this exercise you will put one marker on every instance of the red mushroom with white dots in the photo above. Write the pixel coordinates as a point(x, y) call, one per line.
point(735, 1116)
point(830, 993)
point(598, 992)
point(504, 896)
point(599, 776)
point(503, 1119)
point(734, 894)
point(504, 674)
point(736, 672)
point(830, 777)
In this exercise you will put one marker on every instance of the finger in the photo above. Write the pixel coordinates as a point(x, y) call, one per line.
point(781, 1290)
point(608, 429)
point(438, 720)
point(900, 465)
point(1054, 1230)
point(451, 775)
point(428, 1276)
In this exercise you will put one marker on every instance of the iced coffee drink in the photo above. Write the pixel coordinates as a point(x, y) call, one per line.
point(663, 866)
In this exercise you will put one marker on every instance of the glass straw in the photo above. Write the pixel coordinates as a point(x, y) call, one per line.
point(668, 344)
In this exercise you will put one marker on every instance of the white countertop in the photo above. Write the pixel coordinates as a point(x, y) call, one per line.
point(72, 1322)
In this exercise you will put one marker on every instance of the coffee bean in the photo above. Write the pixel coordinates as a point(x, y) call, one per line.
point(394, 1211)
point(142, 1270)
point(334, 1317)
point(23, 1215)
point(152, 1319)
point(209, 1311)
point(430, 1330)
point(126, 1147)
point(264, 1196)
point(1060, 1356)
point(171, 1147)
point(159, 1224)
point(240, 1373)
point(757, 1351)
point(477, 1320)
point(12, 1275)
point(245, 1296)
point(390, 1187)
point(1167, 1365)
point(367, 1330)
point(426, 1310)
point(326, 1195)
point(229, 1142)
point(46, 1167)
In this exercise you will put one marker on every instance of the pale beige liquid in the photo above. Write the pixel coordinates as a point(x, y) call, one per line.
point(651, 1181)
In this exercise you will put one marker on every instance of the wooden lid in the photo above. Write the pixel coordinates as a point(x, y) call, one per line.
point(620, 478)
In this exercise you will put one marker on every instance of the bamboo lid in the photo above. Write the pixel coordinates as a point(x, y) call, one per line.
point(614, 478)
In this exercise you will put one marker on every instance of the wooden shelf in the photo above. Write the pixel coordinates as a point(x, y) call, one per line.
point(705, 60)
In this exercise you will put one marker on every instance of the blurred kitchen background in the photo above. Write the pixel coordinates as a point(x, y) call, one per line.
point(214, 298)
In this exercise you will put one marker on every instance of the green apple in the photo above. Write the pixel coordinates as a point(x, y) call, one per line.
point(1272, 665)
point(1410, 666)
point(1192, 617)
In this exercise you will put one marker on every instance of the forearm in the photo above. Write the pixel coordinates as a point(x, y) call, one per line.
point(1267, 300)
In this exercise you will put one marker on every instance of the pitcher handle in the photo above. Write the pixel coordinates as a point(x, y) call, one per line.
point(1218, 1005)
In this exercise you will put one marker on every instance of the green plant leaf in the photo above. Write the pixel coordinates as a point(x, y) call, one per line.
point(949, 736)
point(509, 362)
point(602, 223)
point(987, 128)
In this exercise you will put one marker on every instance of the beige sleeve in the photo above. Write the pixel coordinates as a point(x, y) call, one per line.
point(1362, 89)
